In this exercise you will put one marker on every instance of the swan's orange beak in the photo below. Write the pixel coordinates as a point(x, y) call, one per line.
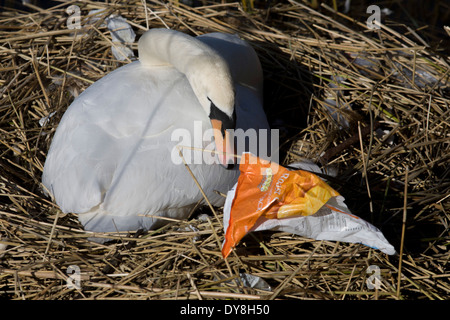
point(223, 140)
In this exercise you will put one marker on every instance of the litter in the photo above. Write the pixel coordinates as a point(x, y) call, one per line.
point(122, 35)
point(268, 196)
point(255, 282)
point(44, 120)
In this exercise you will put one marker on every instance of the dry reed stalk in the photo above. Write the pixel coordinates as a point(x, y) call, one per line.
point(389, 94)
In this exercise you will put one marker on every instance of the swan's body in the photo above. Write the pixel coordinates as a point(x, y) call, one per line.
point(110, 159)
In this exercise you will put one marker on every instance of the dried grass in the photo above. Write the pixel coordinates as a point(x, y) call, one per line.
point(398, 180)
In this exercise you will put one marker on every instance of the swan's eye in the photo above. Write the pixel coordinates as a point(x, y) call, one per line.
point(217, 114)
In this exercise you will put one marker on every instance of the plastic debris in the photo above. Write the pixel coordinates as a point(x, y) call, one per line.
point(268, 196)
point(190, 228)
point(44, 120)
point(96, 15)
point(255, 282)
point(122, 35)
point(421, 78)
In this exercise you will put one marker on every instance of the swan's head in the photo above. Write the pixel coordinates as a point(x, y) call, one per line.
point(211, 82)
point(208, 74)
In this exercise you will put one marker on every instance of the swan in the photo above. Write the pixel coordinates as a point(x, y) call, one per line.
point(111, 159)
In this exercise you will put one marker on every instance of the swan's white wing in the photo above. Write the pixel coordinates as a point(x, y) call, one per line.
point(113, 146)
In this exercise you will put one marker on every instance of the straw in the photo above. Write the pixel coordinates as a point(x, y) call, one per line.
point(370, 107)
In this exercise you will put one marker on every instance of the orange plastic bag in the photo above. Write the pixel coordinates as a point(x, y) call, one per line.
point(270, 191)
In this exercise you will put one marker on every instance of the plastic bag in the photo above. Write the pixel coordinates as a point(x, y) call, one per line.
point(268, 196)
point(122, 36)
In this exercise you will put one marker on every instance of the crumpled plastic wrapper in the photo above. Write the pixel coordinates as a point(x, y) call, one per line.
point(255, 282)
point(122, 34)
point(268, 196)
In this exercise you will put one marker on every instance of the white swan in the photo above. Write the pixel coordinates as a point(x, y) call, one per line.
point(110, 158)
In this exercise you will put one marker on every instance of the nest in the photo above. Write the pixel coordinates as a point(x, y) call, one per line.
point(371, 107)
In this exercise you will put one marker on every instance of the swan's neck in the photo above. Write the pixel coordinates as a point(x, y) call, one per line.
point(167, 47)
point(205, 69)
